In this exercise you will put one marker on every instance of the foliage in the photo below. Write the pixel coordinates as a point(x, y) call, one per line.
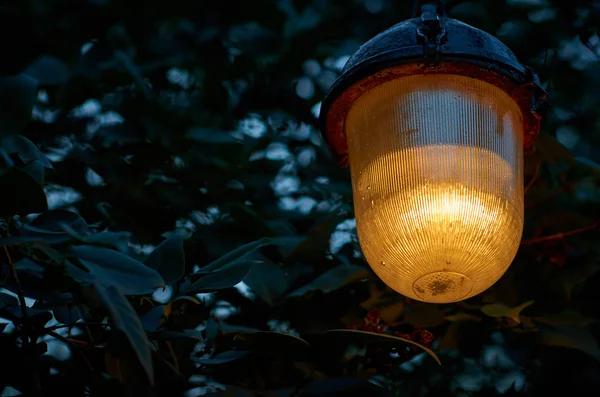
point(172, 223)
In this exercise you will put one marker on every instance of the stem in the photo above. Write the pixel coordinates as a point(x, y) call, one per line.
point(60, 326)
point(533, 178)
point(36, 386)
point(559, 235)
point(21, 296)
point(70, 342)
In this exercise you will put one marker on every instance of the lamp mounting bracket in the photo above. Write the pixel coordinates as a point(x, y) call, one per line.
point(431, 32)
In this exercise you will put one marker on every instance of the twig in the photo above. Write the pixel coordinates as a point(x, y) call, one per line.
point(174, 356)
point(21, 296)
point(70, 342)
point(84, 324)
point(559, 235)
point(534, 178)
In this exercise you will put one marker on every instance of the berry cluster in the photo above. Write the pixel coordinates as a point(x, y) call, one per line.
point(372, 323)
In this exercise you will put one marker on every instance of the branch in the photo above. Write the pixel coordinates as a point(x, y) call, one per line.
point(559, 235)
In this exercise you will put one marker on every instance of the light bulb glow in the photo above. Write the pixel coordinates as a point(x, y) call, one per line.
point(437, 164)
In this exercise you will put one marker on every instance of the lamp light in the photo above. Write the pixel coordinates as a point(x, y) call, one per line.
point(434, 117)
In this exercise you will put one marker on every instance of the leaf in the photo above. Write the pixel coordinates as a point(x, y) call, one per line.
point(565, 318)
point(18, 240)
point(551, 150)
point(126, 319)
point(209, 135)
point(21, 193)
point(317, 240)
point(577, 275)
point(501, 310)
point(213, 328)
point(425, 315)
point(357, 336)
point(338, 387)
point(17, 97)
point(573, 337)
point(48, 70)
point(168, 259)
point(67, 314)
point(129, 275)
point(276, 342)
point(51, 221)
point(174, 335)
point(462, 316)
point(27, 151)
point(450, 339)
point(116, 240)
point(390, 313)
point(221, 279)
point(267, 280)
point(236, 255)
point(152, 319)
point(224, 357)
point(37, 170)
point(334, 279)
point(7, 300)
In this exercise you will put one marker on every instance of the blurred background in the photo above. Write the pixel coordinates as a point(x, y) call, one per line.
point(200, 118)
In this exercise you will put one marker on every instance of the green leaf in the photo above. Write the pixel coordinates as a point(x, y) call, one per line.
point(426, 315)
point(48, 70)
point(236, 255)
point(174, 335)
point(168, 259)
point(221, 279)
point(462, 316)
point(116, 240)
point(153, 317)
point(337, 387)
point(51, 221)
point(67, 314)
point(209, 135)
point(18, 240)
point(17, 97)
point(551, 150)
point(37, 170)
point(129, 275)
point(21, 193)
point(268, 281)
point(501, 310)
point(565, 318)
point(573, 337)
point(277, 342)
point(126, 319)
point(225, 357)
point(334, 279)
point(357, 336)
point(27, 151)
point(576, 275)
point(7, 300)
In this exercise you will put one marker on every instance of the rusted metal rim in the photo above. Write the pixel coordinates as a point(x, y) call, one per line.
point(334, 113)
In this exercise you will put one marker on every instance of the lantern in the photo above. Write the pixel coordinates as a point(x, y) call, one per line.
point(434, 116)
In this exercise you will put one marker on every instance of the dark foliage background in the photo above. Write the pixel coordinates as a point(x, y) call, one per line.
point(174, 225)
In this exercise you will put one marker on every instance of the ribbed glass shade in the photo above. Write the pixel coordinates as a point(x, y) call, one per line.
point(437, 175)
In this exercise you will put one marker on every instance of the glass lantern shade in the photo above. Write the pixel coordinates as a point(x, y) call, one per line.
point(437, 175)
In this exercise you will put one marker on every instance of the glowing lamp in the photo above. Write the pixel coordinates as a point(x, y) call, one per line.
point(434, 116)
